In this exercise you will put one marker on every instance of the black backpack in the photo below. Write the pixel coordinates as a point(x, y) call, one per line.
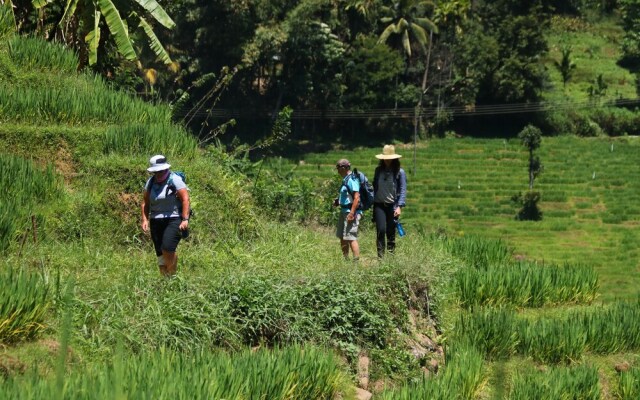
point(366, 190)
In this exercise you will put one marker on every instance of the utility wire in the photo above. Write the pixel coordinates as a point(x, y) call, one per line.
point(409, 113)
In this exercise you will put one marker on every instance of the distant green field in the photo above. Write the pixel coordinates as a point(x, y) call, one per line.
point(595, 48)
point(590, 198)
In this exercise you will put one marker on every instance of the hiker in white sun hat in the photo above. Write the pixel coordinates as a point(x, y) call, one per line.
point(165, 212)
point(390, 193)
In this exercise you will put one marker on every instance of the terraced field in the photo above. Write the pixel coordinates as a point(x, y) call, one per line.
point(590, 198)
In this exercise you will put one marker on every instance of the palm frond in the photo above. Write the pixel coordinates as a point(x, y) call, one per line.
point(420, 34)
point(406, 43)
point(40, 3)
point(386, 33)
point(426, 24)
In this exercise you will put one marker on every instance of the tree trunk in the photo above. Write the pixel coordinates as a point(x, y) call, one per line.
point(531, 170)
point(417, 118)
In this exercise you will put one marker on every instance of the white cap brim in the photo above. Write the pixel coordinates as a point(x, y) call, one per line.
point(160, 167)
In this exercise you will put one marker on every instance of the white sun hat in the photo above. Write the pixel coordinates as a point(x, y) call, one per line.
point(388, 153)
point(158, 163)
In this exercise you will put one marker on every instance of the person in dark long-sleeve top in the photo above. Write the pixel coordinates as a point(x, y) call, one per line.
point(390, 193)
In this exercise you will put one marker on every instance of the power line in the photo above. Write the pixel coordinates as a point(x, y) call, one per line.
point(410, 113)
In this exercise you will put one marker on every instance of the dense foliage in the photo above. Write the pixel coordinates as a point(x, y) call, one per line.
point(250, 59)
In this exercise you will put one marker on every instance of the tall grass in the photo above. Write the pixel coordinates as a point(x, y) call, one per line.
point(478, 252)
point(498, 333)
point(288, 373)
point(134, 139)
point(493, 331)
point(30, 53)
point(629, 384)
point(24, 187)
point(527, 284)
point(552, 340)
point(580, 382)
point(84, 100)
point(493, 277)
point(463, 378)
point(24, 304)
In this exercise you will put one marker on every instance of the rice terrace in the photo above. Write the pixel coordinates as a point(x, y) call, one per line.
point(519, 130)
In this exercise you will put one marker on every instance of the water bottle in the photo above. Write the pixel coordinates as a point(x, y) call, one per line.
point(400, 228)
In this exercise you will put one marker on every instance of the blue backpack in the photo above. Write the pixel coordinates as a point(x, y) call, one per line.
point(366, 190)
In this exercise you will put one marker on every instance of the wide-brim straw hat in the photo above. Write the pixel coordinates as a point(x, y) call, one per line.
point(158, 163)
point(388, 153)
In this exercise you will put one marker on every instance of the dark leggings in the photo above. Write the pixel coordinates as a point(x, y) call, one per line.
point(385, 227)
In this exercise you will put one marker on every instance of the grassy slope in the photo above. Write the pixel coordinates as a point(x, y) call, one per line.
point(242, 281)
point(465, 186)
point(595, 48)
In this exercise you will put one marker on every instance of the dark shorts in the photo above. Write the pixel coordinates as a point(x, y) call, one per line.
point(165, 233)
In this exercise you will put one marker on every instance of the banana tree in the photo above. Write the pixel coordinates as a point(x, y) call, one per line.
point(92, 12)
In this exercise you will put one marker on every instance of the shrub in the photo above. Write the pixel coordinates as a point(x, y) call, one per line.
point(528, 203)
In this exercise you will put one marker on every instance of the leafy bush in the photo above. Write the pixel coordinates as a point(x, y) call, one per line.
point(616, 121)
point(528, 203)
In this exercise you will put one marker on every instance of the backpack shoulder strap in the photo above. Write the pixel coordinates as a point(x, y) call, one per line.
point(345, 181)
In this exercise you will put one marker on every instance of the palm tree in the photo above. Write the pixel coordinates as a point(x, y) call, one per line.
point(92, 12)
point(407, 19)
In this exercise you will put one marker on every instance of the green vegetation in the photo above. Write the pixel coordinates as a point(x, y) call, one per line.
point(27, 190)
point(463, 187)
point(24, 307)
point(251, 276)
point(462, 379)
point(500, 334)
point(558, 383)
point(289, 373)
point(629, 384)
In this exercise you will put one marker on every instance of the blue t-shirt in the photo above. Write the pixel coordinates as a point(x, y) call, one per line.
point(350, 185)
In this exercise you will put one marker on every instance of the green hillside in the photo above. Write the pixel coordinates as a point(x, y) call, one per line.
point(263, 307)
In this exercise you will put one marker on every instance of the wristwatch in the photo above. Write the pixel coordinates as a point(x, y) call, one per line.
point(184, 219)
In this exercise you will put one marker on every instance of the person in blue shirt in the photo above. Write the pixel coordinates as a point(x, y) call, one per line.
point(390, 193)
point(348, 200)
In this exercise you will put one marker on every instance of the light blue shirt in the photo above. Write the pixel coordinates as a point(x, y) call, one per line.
point(162, 198)
point(350, 186)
